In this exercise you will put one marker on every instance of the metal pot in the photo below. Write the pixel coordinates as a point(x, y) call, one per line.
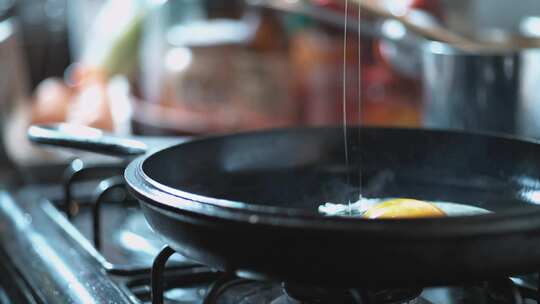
point(492, 90)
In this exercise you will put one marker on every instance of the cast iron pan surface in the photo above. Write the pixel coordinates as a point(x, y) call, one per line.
point(247, 203)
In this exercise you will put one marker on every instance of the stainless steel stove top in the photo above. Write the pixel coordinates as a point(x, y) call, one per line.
point(102, 250)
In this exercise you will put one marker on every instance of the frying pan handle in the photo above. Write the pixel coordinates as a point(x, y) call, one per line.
point(85, 138)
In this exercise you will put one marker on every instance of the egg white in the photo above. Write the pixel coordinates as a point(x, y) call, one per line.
point(362, 205)
point(453, 209)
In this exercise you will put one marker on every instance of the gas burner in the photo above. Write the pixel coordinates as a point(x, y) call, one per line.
point(240, 291)
point(297, 294)
point(204, 286)
point(310, 295)
point(251, 292)
point(302, 294)
point(231, 289)
point(397, 296)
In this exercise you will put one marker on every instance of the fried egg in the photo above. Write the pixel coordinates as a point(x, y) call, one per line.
point(400, 208)
point(403, 208)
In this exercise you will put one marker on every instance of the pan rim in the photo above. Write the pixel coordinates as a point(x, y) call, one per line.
point(152, 192)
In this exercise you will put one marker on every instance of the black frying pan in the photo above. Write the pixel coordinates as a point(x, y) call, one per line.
point(248, 203)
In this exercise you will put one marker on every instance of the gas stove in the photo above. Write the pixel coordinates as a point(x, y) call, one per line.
point(83, 239)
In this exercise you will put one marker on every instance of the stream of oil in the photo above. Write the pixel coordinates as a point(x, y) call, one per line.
point(359, 83)
point(344, 97)
point(346, 142)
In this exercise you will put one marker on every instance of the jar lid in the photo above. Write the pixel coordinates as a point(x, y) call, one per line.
point(209, 33)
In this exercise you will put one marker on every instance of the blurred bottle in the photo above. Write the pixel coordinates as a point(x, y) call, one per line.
point(388, 95)
point(318, 56)
point(391, 83)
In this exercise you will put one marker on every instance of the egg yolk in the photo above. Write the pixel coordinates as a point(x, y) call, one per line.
point(403, 208)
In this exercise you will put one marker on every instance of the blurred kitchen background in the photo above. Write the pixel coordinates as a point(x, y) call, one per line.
point(195, 67)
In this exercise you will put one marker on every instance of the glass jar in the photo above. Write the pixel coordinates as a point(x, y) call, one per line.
point(213, 69)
